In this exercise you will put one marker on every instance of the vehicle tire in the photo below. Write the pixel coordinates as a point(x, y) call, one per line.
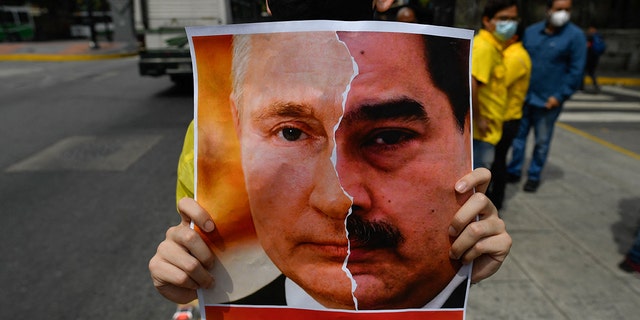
point(182, 80)
point(14, 37)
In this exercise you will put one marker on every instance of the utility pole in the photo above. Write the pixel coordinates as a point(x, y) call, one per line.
point(92, 27)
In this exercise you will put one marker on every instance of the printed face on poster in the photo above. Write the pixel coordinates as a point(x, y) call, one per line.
point(326, 154)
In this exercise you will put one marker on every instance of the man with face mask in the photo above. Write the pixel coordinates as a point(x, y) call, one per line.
point(558, 56)
point(499, 24)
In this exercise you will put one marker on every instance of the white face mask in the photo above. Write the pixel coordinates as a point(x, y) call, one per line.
point(559, 18)
point(505, 30)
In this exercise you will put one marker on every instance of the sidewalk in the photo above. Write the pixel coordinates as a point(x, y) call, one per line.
point(616, 78)
point(65, 50)
point(568, 238)
point(78, 49)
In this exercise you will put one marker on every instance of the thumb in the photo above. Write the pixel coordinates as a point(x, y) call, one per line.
point(190, 211)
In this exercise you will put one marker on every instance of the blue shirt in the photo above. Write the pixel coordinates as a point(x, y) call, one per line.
point(557, 61)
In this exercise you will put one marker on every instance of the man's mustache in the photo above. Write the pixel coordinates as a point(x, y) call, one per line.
point(372, 234)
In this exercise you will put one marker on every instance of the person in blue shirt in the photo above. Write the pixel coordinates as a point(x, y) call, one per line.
point(558, 56)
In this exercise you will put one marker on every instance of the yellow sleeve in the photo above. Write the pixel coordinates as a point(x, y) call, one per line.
point(184, 185)
point(481, 60)
point(516, 65)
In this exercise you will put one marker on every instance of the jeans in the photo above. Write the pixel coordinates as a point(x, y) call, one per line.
point(499, 167)
point(483, 153)
point(634, 252)
point(542, 120)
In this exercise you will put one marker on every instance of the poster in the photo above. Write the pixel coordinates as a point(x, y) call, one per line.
point(326, 155)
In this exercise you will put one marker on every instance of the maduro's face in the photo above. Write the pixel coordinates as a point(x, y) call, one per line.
point(400, 152)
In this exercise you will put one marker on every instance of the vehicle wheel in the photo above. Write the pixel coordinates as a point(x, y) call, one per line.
point(14, 37)
point(182, 80)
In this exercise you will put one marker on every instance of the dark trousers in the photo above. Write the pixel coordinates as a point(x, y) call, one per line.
point(499, 167)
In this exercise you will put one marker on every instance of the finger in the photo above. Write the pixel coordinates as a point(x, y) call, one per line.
point(190, 211)
point(478, 205)
point(478, 179)
point(472, 237)
point(189, 242)
point(176, 255)
point(496, 246)
point(486, 265)
point(163, 275)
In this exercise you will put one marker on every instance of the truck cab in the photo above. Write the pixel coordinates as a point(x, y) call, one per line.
point(16, 23)
point(160, 27)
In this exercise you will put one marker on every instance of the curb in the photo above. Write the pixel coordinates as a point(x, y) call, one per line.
point(617, 81)
point(65, 57)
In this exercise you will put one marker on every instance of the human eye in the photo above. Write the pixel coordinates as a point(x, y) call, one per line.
point(290, 133)
point(389, 138)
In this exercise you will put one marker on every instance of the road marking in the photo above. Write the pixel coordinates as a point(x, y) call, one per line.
point(89, 153)
point(617, 105)
point(621, 90)
point(585, 107)
point(609, 116)
point(591, 97)
point(599, 141)
point(10, 72)
point(106, 75)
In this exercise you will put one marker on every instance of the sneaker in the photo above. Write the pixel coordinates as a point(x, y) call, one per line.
point(531, 186)
point(183, 313)
point(629, 266)
point(512, 178)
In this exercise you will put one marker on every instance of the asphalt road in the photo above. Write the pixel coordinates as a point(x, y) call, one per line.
point(87, 178)
point(87, 183)
point(611, 116)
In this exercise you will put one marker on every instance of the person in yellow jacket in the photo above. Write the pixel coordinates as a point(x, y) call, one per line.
point(518, 73)
point(489, 91)
point(185, 189)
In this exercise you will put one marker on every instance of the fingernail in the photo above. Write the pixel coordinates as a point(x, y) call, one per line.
point(452, 231)
point(461, 186)
point(209, 226)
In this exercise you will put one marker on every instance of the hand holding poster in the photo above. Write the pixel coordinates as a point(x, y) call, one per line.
point(326, 155)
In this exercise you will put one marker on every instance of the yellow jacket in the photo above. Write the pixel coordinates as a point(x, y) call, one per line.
point(184, 185)
point(487, 66)
point(518, 65)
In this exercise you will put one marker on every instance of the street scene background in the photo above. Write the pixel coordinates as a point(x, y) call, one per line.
point(88, 170)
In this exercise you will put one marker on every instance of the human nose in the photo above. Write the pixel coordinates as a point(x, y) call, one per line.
point(328, 196)
point(352, 172)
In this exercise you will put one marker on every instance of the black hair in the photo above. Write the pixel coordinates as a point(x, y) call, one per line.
point(351, 10)
point(520, 31)
point(493, 6)
point(448, 63)
point(447, 58)
point(550, 3)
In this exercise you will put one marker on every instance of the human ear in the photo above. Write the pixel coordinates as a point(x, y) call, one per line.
point(486, 23)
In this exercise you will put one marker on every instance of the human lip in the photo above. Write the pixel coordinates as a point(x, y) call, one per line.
point(330, 250)
point(359, 254)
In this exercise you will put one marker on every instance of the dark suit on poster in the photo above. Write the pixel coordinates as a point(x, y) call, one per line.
point(273, 294)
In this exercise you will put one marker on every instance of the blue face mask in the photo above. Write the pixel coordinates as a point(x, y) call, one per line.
point(505, 29)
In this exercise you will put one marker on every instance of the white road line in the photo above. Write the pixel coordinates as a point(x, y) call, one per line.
point(621, 90)
point(591, 97)
point(10, 72)
point(614, 105)
point(599, 117)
